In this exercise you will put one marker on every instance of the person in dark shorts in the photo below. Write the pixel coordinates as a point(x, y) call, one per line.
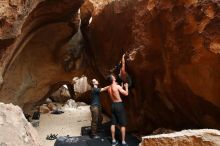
point(95, 108)
point(118, 114)
point(118, 111)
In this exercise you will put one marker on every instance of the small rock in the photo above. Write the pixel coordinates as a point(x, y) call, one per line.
point(48, 100)
point(44, 109)
point(81, 104)
point(71, 104)
point(52, 106)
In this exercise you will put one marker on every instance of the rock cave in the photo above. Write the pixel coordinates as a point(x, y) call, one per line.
point(172, 54)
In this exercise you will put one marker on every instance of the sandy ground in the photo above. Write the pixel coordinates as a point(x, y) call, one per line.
point(68, 123)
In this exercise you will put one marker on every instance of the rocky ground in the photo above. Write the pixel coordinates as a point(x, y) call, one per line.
point(68, 123)
point(13, 122)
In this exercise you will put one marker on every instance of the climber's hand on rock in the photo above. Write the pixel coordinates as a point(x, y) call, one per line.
point(126, 85)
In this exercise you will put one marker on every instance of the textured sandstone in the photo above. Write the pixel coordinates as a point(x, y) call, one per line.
point(203, 137)
point(61, 95)
point(15, 129)
point(13, 14)
point(173, 57)
point(39, 55)
point(44, 109)
point(81, 85)
point(52, 106)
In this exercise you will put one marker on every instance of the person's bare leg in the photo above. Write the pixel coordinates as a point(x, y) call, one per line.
point(113, 132)
point(123, 131)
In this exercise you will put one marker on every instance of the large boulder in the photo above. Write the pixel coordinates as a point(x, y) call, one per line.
point(15, 129)
point(81, 84)
point(203, 137)
point(34, 53)
point(61, 95)
point(172, 55)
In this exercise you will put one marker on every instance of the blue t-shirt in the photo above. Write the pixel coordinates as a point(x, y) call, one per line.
point(95, 96)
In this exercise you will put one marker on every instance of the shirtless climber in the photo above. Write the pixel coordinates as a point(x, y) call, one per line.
point(118, 111)
point(95, 108)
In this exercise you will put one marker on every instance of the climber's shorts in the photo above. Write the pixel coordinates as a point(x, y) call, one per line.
point(118, 114)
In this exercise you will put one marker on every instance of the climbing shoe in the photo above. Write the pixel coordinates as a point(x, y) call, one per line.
point(114, 143)
point(124, 144)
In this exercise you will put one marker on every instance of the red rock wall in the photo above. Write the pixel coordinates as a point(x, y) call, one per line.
point(174, 48)
point(35, 45)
